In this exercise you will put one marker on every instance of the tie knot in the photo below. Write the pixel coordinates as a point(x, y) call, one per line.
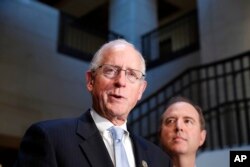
point(117, 133)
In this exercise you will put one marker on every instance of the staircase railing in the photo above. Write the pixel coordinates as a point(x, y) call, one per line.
point(171, 41)
point(222, 89)
point(80, 41)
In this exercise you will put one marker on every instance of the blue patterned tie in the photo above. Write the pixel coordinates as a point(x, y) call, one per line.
point(121, 159)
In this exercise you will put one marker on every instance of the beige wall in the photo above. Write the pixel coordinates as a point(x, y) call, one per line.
point(36, 82)
point(224, 28)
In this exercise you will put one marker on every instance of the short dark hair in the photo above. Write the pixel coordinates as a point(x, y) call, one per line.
point(177, 99)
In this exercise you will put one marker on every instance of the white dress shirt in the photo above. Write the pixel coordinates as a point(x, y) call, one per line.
point(103, 125)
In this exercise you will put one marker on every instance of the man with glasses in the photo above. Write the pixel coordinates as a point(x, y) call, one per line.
point(98, 138)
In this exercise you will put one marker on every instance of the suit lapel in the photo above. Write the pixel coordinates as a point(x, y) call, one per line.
point(92, 144)
point(140, 149)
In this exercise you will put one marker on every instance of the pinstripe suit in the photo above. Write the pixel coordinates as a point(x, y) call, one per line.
point(77, 142)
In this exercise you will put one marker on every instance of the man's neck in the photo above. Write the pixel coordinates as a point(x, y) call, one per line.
point(184, 161)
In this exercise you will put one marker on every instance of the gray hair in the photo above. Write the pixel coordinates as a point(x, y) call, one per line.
point(98, 56)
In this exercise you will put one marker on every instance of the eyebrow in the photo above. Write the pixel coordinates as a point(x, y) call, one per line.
point(188, 117)
point(185, 117)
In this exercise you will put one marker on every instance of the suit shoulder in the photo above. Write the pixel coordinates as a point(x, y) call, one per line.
point(56, 122)
point(53, 126)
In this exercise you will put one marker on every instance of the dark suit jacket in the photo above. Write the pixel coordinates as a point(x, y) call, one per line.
point(77, 142)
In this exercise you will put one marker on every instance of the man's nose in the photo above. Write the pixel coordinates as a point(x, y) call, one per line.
point(121, 78)
point(179, 125)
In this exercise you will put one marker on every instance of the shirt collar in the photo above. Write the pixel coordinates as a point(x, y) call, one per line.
point(104, 124)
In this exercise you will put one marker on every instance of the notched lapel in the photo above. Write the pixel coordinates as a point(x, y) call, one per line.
point(92, 144)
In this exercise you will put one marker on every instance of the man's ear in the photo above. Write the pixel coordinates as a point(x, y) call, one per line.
point(89, 80)
point(203, 137)
point(142, 89)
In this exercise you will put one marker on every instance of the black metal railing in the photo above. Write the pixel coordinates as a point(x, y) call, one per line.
point(171, 41)
point(168, 42)
point(222, 89)
point(80, 41)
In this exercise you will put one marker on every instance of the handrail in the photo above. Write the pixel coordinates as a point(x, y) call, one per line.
point(174, 39)
point(218, 88)
point(80, 41)
point(171, 41)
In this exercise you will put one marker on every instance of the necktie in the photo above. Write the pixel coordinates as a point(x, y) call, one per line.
point(121, 159)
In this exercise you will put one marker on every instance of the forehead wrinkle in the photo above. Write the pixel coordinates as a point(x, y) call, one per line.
point(112, 57)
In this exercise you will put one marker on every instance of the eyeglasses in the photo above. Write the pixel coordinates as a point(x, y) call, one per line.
point(112, 71)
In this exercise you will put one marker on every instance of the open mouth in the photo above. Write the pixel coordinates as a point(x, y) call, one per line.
point(116, 97)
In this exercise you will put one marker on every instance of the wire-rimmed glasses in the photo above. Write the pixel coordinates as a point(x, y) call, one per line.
point(112, 71)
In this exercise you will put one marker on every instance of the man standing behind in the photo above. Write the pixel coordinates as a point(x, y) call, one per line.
point(182, 131)
point(116, 82)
